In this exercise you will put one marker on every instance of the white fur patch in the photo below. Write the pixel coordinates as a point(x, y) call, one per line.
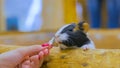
point(88, 46)
point(91, 45)
point(63, 36)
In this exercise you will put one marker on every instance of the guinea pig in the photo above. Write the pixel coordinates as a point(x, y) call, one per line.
point(74, 36)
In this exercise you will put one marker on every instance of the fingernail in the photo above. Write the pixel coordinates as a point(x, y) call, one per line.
point(45, 44)
point(43, 48)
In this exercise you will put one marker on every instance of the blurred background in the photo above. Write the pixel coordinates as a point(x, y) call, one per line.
point(28, 22)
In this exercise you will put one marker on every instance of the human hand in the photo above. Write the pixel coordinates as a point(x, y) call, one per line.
point(26, 57)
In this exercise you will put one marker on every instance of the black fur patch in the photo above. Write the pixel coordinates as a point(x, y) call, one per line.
point(77, 38)
point(68, 28)
point(80, 24)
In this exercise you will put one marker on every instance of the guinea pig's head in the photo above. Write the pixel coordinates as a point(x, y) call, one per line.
point(71, 36)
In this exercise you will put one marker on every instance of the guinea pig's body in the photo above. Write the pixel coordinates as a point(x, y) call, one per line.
point(68, 38)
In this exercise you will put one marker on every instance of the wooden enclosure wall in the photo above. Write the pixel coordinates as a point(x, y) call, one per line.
point(105, 39)
point(70, 14)
point(53, 17)
point(2, 17)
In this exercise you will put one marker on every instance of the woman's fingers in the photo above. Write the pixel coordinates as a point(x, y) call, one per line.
point(46, 52)
point(35, 61)
point(41, 58)
point(26, 64)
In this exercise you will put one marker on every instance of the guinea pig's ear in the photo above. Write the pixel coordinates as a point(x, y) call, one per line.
point(84, 26)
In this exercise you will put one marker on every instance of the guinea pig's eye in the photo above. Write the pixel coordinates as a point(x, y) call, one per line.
point(70, 29)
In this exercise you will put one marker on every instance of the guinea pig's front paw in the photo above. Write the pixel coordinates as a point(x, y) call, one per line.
point(85, 47)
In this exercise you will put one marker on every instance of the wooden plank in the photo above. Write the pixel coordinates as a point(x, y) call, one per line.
point(18, 38)
point(106, 38)
point(103, 38)
point(77, 58)
point(6, 48)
